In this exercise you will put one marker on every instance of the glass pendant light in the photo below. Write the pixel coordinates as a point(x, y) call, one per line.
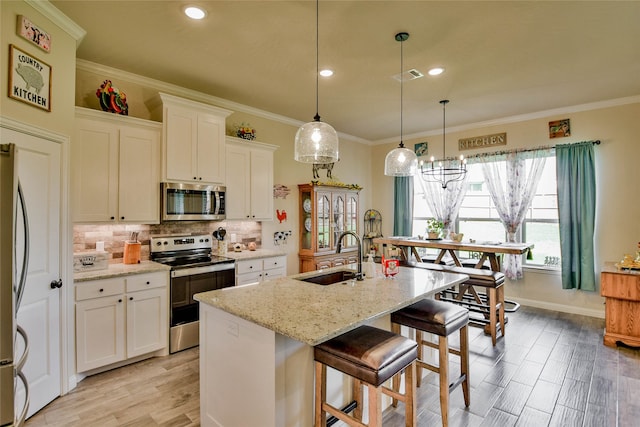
point(316, 142)
point(401, 161)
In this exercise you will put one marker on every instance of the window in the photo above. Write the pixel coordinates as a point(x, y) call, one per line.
point(478, 218)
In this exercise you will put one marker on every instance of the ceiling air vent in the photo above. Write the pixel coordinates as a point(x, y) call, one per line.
point(411, 74)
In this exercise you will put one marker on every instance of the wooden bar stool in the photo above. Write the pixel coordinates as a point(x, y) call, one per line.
point(370, 356)
point(441, 319)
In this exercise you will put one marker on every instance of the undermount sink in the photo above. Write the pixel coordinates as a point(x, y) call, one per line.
point(330, 278)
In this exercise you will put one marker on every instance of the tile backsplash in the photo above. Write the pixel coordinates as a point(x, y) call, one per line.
point(85, 236)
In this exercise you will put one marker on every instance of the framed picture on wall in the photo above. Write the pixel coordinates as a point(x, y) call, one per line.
point(34, 34)
point(421, 148)
point(559, 128)
point(29, 79)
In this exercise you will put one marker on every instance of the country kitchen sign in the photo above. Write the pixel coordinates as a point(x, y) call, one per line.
point(482, 141)
point(29, 79)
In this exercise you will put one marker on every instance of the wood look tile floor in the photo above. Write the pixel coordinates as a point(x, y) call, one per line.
point(550, 370)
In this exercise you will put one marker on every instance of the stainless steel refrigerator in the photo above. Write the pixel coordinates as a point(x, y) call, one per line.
point(14, 259)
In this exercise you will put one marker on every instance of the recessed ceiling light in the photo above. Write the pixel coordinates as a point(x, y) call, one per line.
point(194, 12)
point(436, 71)
point(326, 73)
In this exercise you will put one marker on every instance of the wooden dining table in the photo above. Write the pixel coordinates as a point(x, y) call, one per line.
point(487, 250)
point(490, 251)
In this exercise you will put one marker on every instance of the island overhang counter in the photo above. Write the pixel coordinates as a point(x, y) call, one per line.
point(256, 341)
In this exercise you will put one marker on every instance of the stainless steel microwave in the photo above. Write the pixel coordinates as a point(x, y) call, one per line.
point(192, 202)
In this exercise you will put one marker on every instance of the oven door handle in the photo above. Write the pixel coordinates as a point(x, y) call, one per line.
point(190, 271)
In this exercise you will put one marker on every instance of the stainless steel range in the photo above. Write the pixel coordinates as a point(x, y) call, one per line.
point(193, 270)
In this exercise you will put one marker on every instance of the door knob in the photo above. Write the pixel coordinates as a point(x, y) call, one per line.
point(56, 284)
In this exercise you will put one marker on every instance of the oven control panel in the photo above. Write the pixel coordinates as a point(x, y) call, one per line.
point(180, 243)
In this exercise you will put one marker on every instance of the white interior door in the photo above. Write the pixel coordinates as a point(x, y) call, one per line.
point(39, 164)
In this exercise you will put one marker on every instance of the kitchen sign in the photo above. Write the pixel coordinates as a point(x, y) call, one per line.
point(29, 79)
point(482, 141)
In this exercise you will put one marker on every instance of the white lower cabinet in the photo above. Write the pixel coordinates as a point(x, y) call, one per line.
point(258, 270)
point(120, 318)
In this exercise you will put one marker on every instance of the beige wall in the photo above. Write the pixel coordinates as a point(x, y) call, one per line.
point(61, 58)
point(618, 207)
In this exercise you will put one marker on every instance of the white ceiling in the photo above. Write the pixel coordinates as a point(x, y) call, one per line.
point(502, 58)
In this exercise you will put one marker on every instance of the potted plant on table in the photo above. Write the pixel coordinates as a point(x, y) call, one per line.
point(434, 228)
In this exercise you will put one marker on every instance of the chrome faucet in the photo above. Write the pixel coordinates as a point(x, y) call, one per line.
point(339, 248)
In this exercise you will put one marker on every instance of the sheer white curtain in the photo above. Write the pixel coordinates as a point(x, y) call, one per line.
point(512, 186)
point(445, 203)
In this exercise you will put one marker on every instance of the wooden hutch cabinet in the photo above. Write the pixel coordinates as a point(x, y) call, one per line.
point(325, 212)
point(621, 288)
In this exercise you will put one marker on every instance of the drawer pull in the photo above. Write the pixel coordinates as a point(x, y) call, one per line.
point(130, 298)
point(120, 300)
point(101, 290)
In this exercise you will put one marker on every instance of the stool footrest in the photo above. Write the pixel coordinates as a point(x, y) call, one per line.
point(457, 382)
point(469, 305)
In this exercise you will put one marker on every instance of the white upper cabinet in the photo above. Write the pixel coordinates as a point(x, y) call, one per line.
point(115, 163)
point(193, 141)
point(249, 180)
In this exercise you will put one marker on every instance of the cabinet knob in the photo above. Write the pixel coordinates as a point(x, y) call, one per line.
point(148, 283)
point(121, 217)
point(195, 178)
point(113, 217)
point(101, 290)
point(120, 300)
point(130, 298)
point(250, 267)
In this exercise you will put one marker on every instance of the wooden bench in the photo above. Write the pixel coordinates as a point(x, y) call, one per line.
point(491, 305)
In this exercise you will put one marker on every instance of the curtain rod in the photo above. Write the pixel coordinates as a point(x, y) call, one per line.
point(521, 150)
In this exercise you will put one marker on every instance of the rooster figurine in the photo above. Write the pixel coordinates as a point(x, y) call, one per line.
point(282, 216)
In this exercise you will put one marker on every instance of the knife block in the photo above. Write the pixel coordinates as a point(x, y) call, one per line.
point(131, 253)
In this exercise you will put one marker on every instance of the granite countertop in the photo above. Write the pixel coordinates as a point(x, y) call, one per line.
point(313, 313)
point(258, 253)
point(120, 269)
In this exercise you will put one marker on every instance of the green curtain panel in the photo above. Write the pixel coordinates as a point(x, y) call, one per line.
point(403, 206)
point(576, 211)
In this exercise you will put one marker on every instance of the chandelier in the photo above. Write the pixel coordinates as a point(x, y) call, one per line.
point(401, 161)
point(316, 142)
point(446, 170)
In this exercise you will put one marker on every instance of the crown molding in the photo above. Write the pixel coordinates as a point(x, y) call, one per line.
point(59, 18)
point(194, 95)
point(522, 118)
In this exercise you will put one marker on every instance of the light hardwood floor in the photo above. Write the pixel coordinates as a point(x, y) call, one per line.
point(550, 370)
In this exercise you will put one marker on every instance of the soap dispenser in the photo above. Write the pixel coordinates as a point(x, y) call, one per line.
point(370, 268)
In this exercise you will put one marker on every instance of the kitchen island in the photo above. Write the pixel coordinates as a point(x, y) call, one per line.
point(256, 341)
